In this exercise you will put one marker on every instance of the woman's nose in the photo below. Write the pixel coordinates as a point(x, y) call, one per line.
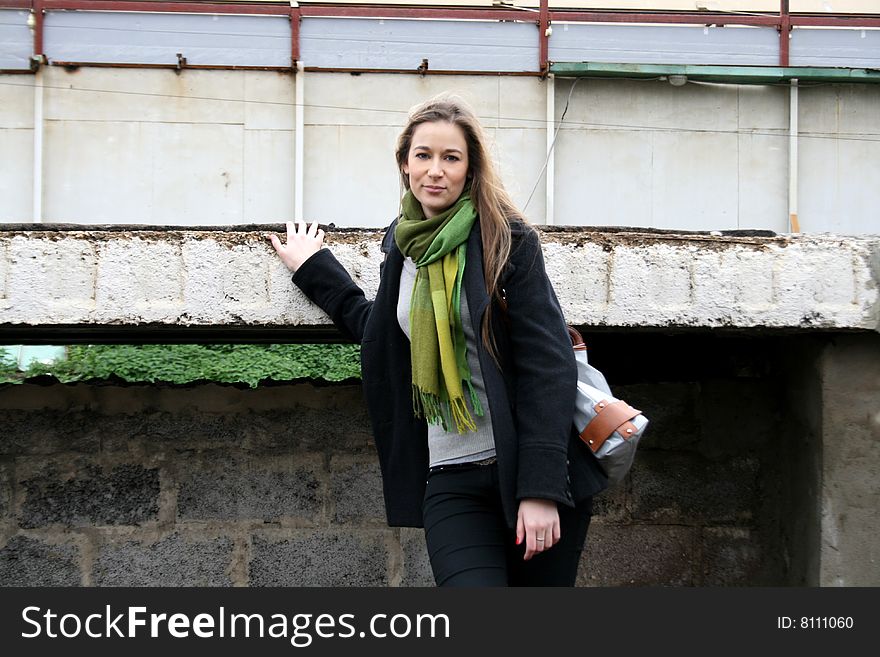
point(435, 169)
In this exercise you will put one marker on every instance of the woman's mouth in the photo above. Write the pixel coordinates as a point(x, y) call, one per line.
point(431, 188)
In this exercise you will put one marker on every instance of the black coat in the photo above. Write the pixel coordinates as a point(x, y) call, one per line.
point(531, 398)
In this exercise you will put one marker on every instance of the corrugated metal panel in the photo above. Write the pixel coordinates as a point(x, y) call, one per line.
point(673, 44)
point(16, 42)
point(403, 44)
point(146, 38)
point(835, 47)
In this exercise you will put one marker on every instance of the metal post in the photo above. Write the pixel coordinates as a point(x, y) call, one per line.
point(784, 32)
point(794, 224)
point(550, 178)
point(299, 139)
point(544, 37)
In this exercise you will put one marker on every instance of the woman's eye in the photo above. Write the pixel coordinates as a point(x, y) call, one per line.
point(454, 158)
point(421, 156)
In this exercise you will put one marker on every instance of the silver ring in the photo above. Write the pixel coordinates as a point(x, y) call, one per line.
point(539, 539)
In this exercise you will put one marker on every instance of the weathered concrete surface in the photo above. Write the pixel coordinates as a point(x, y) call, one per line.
point(214, 485)
point(116, 276)
point(850, 493)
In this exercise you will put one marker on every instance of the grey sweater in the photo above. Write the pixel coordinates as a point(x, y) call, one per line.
point(446, 447)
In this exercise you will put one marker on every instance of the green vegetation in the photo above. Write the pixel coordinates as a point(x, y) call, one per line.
point(183, 363)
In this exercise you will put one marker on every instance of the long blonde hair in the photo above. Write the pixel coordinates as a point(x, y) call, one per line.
point(488, 195)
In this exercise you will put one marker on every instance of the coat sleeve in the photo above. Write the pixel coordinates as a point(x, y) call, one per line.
point(327, 283)
point(545, 373)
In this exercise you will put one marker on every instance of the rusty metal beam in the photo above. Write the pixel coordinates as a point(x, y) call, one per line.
point(784, 33)
point(176, 67)
point(175, 7)
point(544, 37)
point(39, 15)
point(412, 71)
point(699, 18)
point(295, 21)
point(835, 21)
point(351, 11)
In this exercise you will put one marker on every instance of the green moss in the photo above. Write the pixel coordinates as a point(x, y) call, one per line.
point(228, 363)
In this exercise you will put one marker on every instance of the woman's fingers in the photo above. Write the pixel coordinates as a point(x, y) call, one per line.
point(302, 242)
point(278, 246)
point(539, 520)
point(520, 528)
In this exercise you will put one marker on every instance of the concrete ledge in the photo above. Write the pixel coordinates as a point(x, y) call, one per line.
point(124, 276)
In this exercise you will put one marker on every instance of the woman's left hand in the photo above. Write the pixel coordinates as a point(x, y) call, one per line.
point(537, 521)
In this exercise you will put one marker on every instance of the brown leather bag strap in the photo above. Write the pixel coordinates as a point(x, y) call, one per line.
point(609, 418)
point(577, 340)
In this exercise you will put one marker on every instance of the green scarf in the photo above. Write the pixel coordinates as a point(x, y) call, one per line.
point(439, 351)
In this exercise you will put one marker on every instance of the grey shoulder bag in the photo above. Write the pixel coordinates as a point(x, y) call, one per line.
point(610, 427)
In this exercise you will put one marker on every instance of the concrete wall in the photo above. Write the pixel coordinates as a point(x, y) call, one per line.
point(211, 278)
point(106, 485)
point(217, 147)
point(850, 494)
point(760, 466)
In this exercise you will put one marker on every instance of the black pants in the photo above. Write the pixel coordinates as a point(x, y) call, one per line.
point(470, 544)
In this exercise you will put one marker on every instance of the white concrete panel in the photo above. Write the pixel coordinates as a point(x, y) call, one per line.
point(198, 174)
point(97, 172)
point(157, 38)
point(108, 94)
point(839, 159)
point(143, 173)
point(852, 48)
point(16, 175)
point(16, 42)
point(385, 99)
point(859, 185)
point(403, 44)
point(762, 108)
point(16, 101)
point(859, 110)
point(818, 184)
point(520, 154)
point(818, 109)
point(664, 44)
point(268, 176)
point(763, 182)
point(351, 178)
point(522, 102)
point(647, 104)
point(695, 181)
point(269, 101)
point(604, 178)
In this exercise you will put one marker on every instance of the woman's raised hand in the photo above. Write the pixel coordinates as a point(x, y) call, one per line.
point(302, 243)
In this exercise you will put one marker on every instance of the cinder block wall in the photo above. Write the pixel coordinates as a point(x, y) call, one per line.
point(105, 485)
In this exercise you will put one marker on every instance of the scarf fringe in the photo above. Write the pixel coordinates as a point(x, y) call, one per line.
point(475, 401)
point(461, 415)
point(435, 411)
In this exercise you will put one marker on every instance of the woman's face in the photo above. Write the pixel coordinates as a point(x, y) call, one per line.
point(437, 165)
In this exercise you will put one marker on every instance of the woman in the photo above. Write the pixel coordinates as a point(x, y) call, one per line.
point(467, 367)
